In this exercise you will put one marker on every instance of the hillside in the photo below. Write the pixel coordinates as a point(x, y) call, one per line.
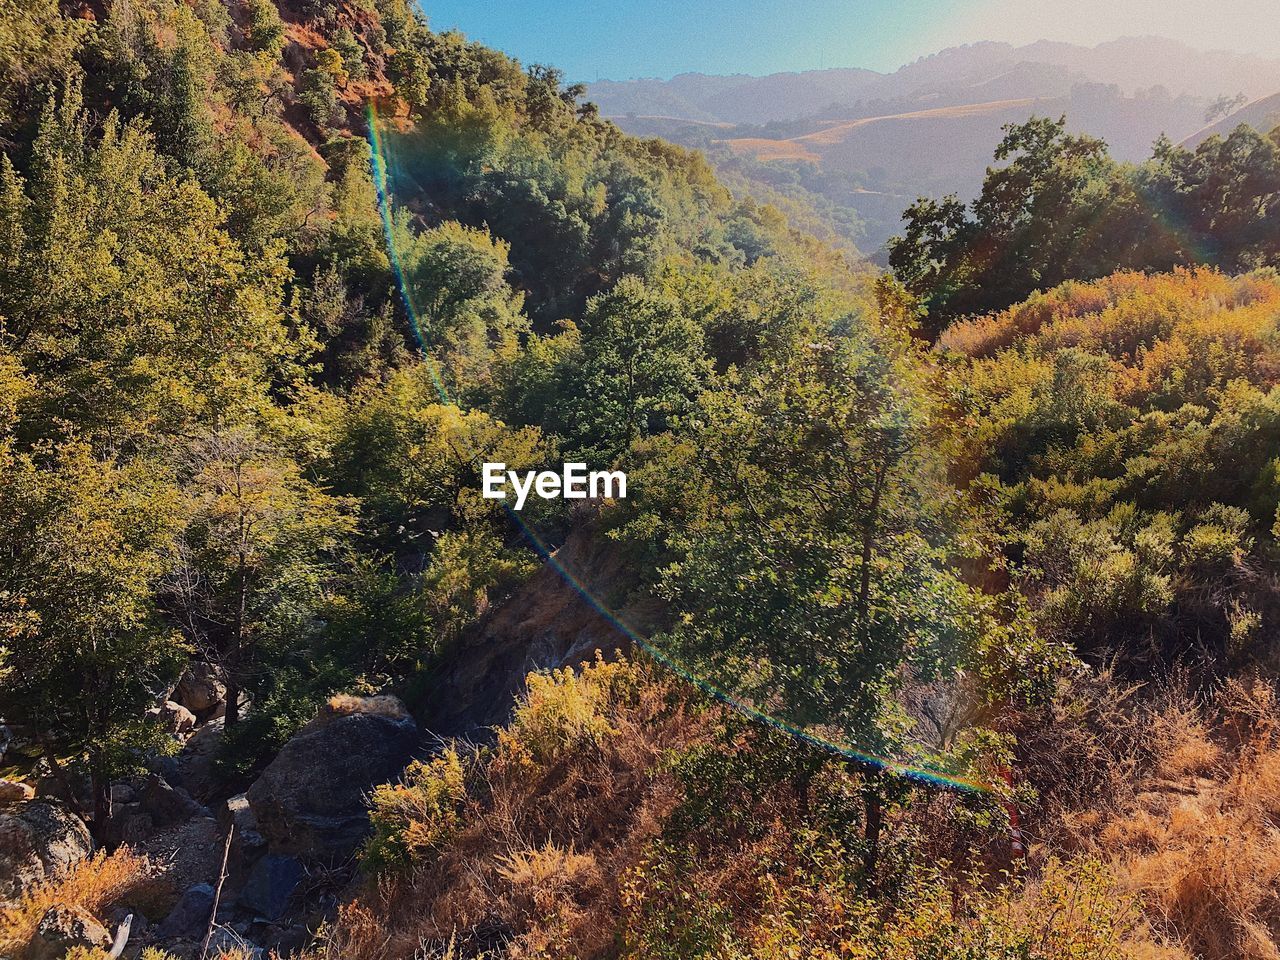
point(868, 135)
point(1261, 114)
point(934, 620)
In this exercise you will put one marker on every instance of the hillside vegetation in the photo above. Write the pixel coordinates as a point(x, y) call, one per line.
point(932, 589)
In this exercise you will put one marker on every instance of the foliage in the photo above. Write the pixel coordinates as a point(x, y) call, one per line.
point(414, 817)
point(1061, 209)
point(1127, 427)
point(94, 885)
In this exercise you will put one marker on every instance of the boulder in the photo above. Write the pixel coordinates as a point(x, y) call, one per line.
point(195, 766)
point(15, 791)
point(123, 793)
point(168, 805)
point(189, 918)
point(247, 842)
point(174, 717)
point(63, 928)
point(39, 841)
point(311, 799)
point(271, 884)
point(201, 690)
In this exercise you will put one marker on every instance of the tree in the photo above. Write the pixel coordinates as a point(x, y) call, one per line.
point(83, 542)
point(258, 554)
point(641, 364)
point(810, 572)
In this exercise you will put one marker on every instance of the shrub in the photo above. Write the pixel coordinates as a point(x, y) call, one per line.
point(94, 885)
point(563, 710)
point(415, 817)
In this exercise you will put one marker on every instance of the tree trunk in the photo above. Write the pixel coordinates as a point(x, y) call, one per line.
point(873, 822)
point(60, 775)
point(868, 551)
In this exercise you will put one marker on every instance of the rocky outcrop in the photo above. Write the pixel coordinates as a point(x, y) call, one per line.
point(40, 841)
point(63, 928)
point(201, 691)
point(311, 800)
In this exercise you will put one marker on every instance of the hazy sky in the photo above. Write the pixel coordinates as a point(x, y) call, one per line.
point(619, 39)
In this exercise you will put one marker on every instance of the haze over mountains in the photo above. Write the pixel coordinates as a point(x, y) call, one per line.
point(854, 141)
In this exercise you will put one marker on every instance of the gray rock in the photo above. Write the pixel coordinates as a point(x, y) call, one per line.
point(15, 791)
point(195, 764)
point(311, 799)
point(39, 841)
point(189, 917)
point(62, 928)
point(201, 690)
point(270, 884)
point(122, 793)
point(248, 843)
point(168, 805)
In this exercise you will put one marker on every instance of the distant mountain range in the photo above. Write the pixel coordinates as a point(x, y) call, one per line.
point(854, 140)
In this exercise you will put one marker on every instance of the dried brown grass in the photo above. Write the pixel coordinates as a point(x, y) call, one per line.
point(571, 795)
point(95, 885)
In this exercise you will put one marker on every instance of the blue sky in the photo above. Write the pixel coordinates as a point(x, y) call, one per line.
point(620, 39)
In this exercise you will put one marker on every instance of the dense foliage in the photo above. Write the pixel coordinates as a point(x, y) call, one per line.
point(1060, 208)
point(244, 405)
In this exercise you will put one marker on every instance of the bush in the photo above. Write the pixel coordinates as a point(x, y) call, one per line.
point(94, 885)
point(415, 817)
point(563, 710)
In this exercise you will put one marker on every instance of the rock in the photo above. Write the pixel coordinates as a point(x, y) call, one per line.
point(122, 793)
point(168, 805)
point(201, 690)
point(15, 791)
point(248, 843)
point(195, 763)
point(6, 740)
point(174, 717)
point(135, 826)
point(311, 799)
point(39, 841)
point(189, 917)
point(62, 928)
point(270, 884)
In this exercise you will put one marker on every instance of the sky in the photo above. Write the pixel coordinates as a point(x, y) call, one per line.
point(624, 39)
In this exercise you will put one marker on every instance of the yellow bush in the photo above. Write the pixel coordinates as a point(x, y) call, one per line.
point(564, 710)
point(416, 816)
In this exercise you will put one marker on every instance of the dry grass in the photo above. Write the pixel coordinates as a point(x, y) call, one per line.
point(570, 796)
point(1193, 829)
point(95, 885)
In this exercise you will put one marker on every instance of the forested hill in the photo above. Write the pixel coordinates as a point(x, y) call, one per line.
point(996, 559)
point(196, 286)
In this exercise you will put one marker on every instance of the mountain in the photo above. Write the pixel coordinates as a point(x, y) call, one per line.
point(1262, 114)
point(866, 144)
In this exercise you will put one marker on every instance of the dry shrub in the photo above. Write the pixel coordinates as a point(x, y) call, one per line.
point(543, 877)
point(94, 884)
point(1194, 834)
point(571, 797)
point(344, 704)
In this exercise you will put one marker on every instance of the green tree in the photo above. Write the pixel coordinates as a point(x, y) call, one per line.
point(640, 366)
point(258, 555)
point(83, 542)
